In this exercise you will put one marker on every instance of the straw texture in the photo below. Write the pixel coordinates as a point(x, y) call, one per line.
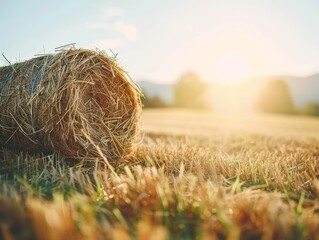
point(77, 102)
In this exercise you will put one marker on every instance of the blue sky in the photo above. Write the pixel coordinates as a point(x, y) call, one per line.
point(160, 40)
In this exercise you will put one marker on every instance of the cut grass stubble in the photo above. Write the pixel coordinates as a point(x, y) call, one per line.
point(242, 185)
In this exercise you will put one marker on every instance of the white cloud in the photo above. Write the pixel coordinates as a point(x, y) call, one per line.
point(108, 43)
point(112, 12)
point(127, 30)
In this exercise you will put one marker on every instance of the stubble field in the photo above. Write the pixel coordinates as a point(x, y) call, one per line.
point(193, 175)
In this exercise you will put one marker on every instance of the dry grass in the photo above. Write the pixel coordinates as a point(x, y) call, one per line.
point(76, 102)
point(196, 175)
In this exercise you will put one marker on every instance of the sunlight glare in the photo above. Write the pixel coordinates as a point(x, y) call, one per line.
point(231, 68)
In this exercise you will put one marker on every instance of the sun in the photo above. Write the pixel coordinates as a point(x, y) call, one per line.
point(232, 67)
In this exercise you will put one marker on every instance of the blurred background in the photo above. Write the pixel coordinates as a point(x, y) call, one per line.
point(224, 56)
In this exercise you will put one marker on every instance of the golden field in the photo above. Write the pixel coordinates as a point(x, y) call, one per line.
point(193, 175)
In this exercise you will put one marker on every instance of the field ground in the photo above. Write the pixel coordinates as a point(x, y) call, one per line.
point(193, 175)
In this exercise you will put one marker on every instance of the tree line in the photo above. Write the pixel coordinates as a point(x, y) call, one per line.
point(189, 92)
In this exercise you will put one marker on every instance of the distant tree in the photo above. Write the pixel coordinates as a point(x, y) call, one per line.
point(311, 109)
point(275, 98)
point(153, 102)
point(189, 91)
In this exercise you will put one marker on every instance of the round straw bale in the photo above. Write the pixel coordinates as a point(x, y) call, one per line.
point(77, 102)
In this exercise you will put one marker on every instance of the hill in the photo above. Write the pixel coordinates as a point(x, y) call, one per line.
point(164, 91)
point(303, 89)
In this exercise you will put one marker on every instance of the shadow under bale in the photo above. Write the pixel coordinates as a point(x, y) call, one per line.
point(77, 102)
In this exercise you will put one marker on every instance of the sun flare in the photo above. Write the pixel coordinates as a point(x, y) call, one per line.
point(232, 67)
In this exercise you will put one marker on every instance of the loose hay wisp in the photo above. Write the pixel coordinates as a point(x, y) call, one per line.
point(77, 102)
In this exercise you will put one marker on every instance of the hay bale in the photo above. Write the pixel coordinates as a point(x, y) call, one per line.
point(77, 102)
